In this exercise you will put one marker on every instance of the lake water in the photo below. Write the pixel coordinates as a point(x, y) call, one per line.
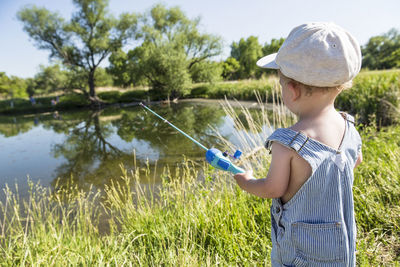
point(88, 147)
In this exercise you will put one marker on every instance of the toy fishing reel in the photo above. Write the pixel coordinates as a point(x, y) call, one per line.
point(221, 160)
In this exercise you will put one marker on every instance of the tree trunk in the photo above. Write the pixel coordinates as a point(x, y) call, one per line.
point(95, 102)
point(92, 92)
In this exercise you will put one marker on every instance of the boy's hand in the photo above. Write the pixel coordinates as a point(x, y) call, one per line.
point(244, 176)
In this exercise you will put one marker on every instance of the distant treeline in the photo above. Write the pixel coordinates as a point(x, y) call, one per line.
point(169, 55)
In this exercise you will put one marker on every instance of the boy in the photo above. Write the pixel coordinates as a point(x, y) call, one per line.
point(311, 174)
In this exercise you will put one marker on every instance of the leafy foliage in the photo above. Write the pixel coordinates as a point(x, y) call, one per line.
point(12, 86)
point(49, 79)
point(374, 98)
point(84, 42)
point(247, 52)
point(229, 68)
point(172, 55)
point(382, 51)
point(273, 46)
point(165, 68)
point(206, 71)
point(270, 48)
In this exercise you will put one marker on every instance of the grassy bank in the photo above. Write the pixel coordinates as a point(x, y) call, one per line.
point(375, 96)
point(43, 104)
point(189, 221)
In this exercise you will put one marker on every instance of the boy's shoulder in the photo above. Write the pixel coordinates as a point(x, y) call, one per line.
point(288, 138)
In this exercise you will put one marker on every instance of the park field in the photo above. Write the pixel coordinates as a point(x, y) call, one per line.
point(203, 218)
point(191, 219)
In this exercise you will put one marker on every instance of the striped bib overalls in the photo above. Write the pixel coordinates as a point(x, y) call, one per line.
point(317, 226)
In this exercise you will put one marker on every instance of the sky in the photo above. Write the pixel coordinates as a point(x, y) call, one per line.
point(230, 19)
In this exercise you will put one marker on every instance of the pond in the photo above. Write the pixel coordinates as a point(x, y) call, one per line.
point(88, 147)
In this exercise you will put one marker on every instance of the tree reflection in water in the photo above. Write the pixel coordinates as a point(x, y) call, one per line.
point(96, 143)
point(93, 152)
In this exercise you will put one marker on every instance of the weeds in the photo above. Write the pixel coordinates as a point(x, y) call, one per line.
point(194, 217)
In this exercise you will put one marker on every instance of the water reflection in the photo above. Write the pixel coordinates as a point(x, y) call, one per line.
point(89, 146)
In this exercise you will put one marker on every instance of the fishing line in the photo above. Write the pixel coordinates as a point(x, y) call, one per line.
point(215, 157)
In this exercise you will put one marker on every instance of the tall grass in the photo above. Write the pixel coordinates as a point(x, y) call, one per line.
point(377, 197)
point(243, 90)
point(375, 97)
point(194, 218)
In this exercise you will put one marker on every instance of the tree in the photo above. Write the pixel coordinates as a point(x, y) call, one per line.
point(50, 79)
point(171, 55)
point(382, 51)
point(270, 48)
point(84, 42)
point(206, 71)
point(125, 70)
point(119, 69)
point(230, 68)
point(4, 84)
point(12, 86)
point(165, 67)
point(247, 52)
point(273, 47)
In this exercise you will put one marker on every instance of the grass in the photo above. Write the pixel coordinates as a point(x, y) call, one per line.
point(241, 90)
point(377, 197)
point(375, 96)
point(43, 104)
point(193, 218)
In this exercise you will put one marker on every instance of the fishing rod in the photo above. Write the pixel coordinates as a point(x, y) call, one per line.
point(214, 156)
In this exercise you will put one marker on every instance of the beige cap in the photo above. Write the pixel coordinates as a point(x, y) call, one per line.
point(319, 54)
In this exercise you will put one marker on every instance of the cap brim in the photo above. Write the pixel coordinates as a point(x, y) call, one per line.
point(268, 62)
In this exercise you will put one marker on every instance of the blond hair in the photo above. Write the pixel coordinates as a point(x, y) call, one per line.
point(310, 88)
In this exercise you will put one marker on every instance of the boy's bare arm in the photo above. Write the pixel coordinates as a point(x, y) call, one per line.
point(276, 183)
point(359, 160)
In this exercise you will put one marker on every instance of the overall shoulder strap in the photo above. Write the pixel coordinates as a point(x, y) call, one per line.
point(354, 136)
point(313, 152)
point(288, 138)
point(347, 117)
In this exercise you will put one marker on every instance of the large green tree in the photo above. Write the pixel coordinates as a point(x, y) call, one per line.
point(49, 79)
point(4, 84)
point(12, 86)
point(83, 42)
point(230, 67)
point(247, 52)
point(54, 78)
point(173, 53)
point(382, 51)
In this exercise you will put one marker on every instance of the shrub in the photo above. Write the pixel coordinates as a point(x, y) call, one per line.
point(200, 92)
point(133, 95)
point(110, 96)
point(373, 98)
point(73, 100)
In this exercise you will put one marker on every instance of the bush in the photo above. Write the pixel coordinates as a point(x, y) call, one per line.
point(241, 90)
point(133, 95)
point(73, 100)
point(23, 105)
point(110, 96)
point(200, 92)
point(374, 97)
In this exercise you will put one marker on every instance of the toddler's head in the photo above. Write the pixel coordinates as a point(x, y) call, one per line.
point(317, 55)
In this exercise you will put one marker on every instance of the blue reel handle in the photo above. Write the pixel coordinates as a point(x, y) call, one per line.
point(219, 161)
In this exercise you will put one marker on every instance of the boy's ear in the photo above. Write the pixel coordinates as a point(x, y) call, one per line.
point(295, 90)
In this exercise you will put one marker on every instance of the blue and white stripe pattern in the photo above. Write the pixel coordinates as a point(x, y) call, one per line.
point(317, 226)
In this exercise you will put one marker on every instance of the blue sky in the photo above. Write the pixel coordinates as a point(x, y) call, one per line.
point(230, 19)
